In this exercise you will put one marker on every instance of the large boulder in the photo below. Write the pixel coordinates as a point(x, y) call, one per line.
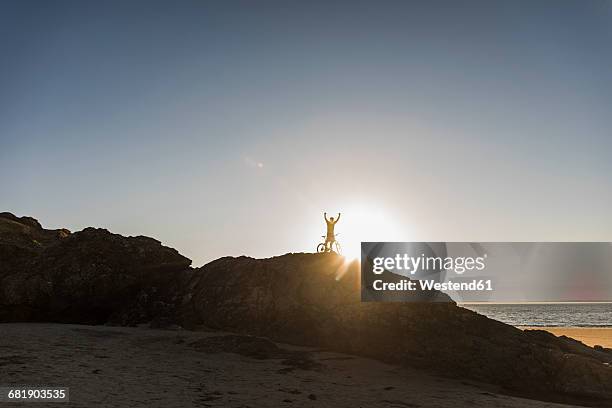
point(314, 299)
point(92, 276)
point(23, 238)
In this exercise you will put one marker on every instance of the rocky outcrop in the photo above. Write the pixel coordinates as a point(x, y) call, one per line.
point(92, 276)
point(314, 299)
point(96, 277)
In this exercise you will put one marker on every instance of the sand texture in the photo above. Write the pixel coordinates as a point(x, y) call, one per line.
point(591, 336)
point(121, 367)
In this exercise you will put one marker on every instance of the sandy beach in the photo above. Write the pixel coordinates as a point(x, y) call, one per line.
point(118, 367)
point(592, 336)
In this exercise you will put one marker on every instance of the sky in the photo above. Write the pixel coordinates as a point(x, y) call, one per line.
point(229, 127)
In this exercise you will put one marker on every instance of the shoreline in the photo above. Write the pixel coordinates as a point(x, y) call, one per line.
point(591, 336)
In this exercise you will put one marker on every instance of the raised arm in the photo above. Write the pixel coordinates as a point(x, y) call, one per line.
point(337, 219)
point(325, 216)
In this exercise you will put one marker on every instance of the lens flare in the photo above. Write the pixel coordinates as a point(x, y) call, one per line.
point(362, 223)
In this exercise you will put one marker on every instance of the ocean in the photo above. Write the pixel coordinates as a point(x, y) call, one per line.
point(547, 314)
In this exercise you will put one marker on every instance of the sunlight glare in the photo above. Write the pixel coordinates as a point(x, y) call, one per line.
point(363, 223)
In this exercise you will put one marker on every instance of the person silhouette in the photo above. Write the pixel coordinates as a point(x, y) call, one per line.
point(331, 237)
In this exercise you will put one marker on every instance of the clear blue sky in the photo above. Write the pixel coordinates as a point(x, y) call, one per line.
point(227, 128)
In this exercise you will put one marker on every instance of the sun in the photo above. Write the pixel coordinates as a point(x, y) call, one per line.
point(362, 224)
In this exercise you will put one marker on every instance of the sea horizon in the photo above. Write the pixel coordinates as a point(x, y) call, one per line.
point(547, 314)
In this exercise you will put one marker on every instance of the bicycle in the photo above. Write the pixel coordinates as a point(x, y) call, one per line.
point(333, 246)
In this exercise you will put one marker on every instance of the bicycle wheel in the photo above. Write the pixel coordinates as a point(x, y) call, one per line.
point(321, 247)
point(337, 248)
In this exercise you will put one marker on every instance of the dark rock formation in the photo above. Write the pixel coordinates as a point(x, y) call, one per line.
point(97, 277)
point(314, 299)
point(91, 276)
